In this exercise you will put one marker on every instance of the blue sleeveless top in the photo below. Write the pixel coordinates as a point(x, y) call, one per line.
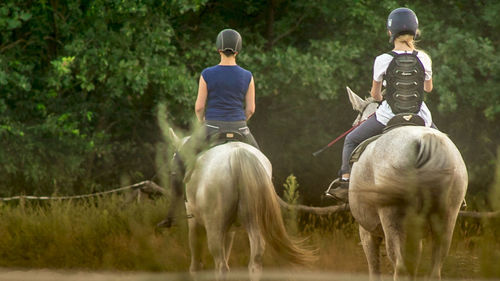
point(227, 87)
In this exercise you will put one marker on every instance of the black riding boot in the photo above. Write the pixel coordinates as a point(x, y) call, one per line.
point(177, 192)
point(339, 190)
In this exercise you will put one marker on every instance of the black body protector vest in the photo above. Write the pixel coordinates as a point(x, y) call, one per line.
point(405, 78)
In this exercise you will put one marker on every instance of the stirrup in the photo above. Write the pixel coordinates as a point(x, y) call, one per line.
point(463, 206)
point(327, 192)
point(341, 187)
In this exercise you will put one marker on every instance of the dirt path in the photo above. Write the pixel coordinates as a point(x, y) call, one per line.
point(48, 275)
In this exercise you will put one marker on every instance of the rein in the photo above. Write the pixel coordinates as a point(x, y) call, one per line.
point(341, 136)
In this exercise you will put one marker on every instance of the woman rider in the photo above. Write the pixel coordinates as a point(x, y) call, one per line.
point(225, 102)
point(402, 25)
point(224, 89)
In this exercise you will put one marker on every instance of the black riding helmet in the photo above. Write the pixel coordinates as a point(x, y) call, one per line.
point(402, 21)
point(229, 40)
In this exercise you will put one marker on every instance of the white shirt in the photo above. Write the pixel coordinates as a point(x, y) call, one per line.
point(384, 112)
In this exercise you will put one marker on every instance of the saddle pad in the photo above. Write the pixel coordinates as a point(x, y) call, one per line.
point(356, 153)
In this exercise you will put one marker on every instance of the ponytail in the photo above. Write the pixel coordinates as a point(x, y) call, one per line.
point(408, 40)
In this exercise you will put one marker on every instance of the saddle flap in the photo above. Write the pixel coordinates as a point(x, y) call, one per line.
point(360, 148)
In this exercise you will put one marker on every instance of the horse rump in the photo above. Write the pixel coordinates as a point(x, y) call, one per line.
point(427, 178)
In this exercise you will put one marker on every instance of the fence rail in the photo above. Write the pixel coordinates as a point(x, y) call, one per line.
point(150, 188)
point(147, 187)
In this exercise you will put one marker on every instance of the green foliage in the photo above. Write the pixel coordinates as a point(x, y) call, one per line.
point(291, 192)
point(80, 94)
point(81, 82)
point(291, 195)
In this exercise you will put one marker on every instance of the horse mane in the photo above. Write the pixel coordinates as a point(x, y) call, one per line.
point(370, 99)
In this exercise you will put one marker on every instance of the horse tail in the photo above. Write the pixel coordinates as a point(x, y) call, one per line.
point(428, 175)
point(260, 207)
point(429, 155)
point(434, 162)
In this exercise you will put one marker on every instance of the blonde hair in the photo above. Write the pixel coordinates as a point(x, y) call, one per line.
point(407, 39)
point(410, 41)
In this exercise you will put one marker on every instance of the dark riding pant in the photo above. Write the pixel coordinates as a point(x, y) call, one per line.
point(371, 127)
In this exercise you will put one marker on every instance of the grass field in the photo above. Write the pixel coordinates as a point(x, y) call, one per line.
point(106, 235)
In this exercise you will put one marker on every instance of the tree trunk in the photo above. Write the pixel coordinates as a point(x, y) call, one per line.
point(270, 24)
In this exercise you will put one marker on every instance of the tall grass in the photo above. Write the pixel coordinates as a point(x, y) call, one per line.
point(95, 234)
point(490, 245)
point(104, 234)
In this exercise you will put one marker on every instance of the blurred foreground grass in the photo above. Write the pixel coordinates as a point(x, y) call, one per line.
point(104, 234)
point(93, 234)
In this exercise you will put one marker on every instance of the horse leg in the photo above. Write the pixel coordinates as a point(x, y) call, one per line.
point(371, 247)
point(394, 238)
point(229, 245)
point(195, 244)
point(257, 247)
point(418, 256)
point(216, 238)
point(441, 233)
point(176, 198)
point(412, 249)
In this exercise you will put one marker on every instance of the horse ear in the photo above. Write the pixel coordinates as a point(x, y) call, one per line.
point(357, 103)
point(173, 137)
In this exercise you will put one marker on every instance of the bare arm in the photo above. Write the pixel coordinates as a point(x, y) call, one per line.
point(201, 100)
point(376, 91)
point(250, 100)
point(428, 85)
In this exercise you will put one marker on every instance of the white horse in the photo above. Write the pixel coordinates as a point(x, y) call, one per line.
point(232, 183)
point(410, 181)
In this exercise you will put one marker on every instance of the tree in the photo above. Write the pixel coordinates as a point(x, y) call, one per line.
point(81, 82)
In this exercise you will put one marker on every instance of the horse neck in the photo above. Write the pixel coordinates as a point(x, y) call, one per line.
point(368, 111)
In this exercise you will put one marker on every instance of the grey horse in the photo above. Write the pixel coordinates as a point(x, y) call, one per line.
point(409, 182)
point(232, 183)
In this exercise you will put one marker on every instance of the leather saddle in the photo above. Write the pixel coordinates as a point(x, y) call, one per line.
point(219, 138)
point(399, 120)
point(404, 119)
